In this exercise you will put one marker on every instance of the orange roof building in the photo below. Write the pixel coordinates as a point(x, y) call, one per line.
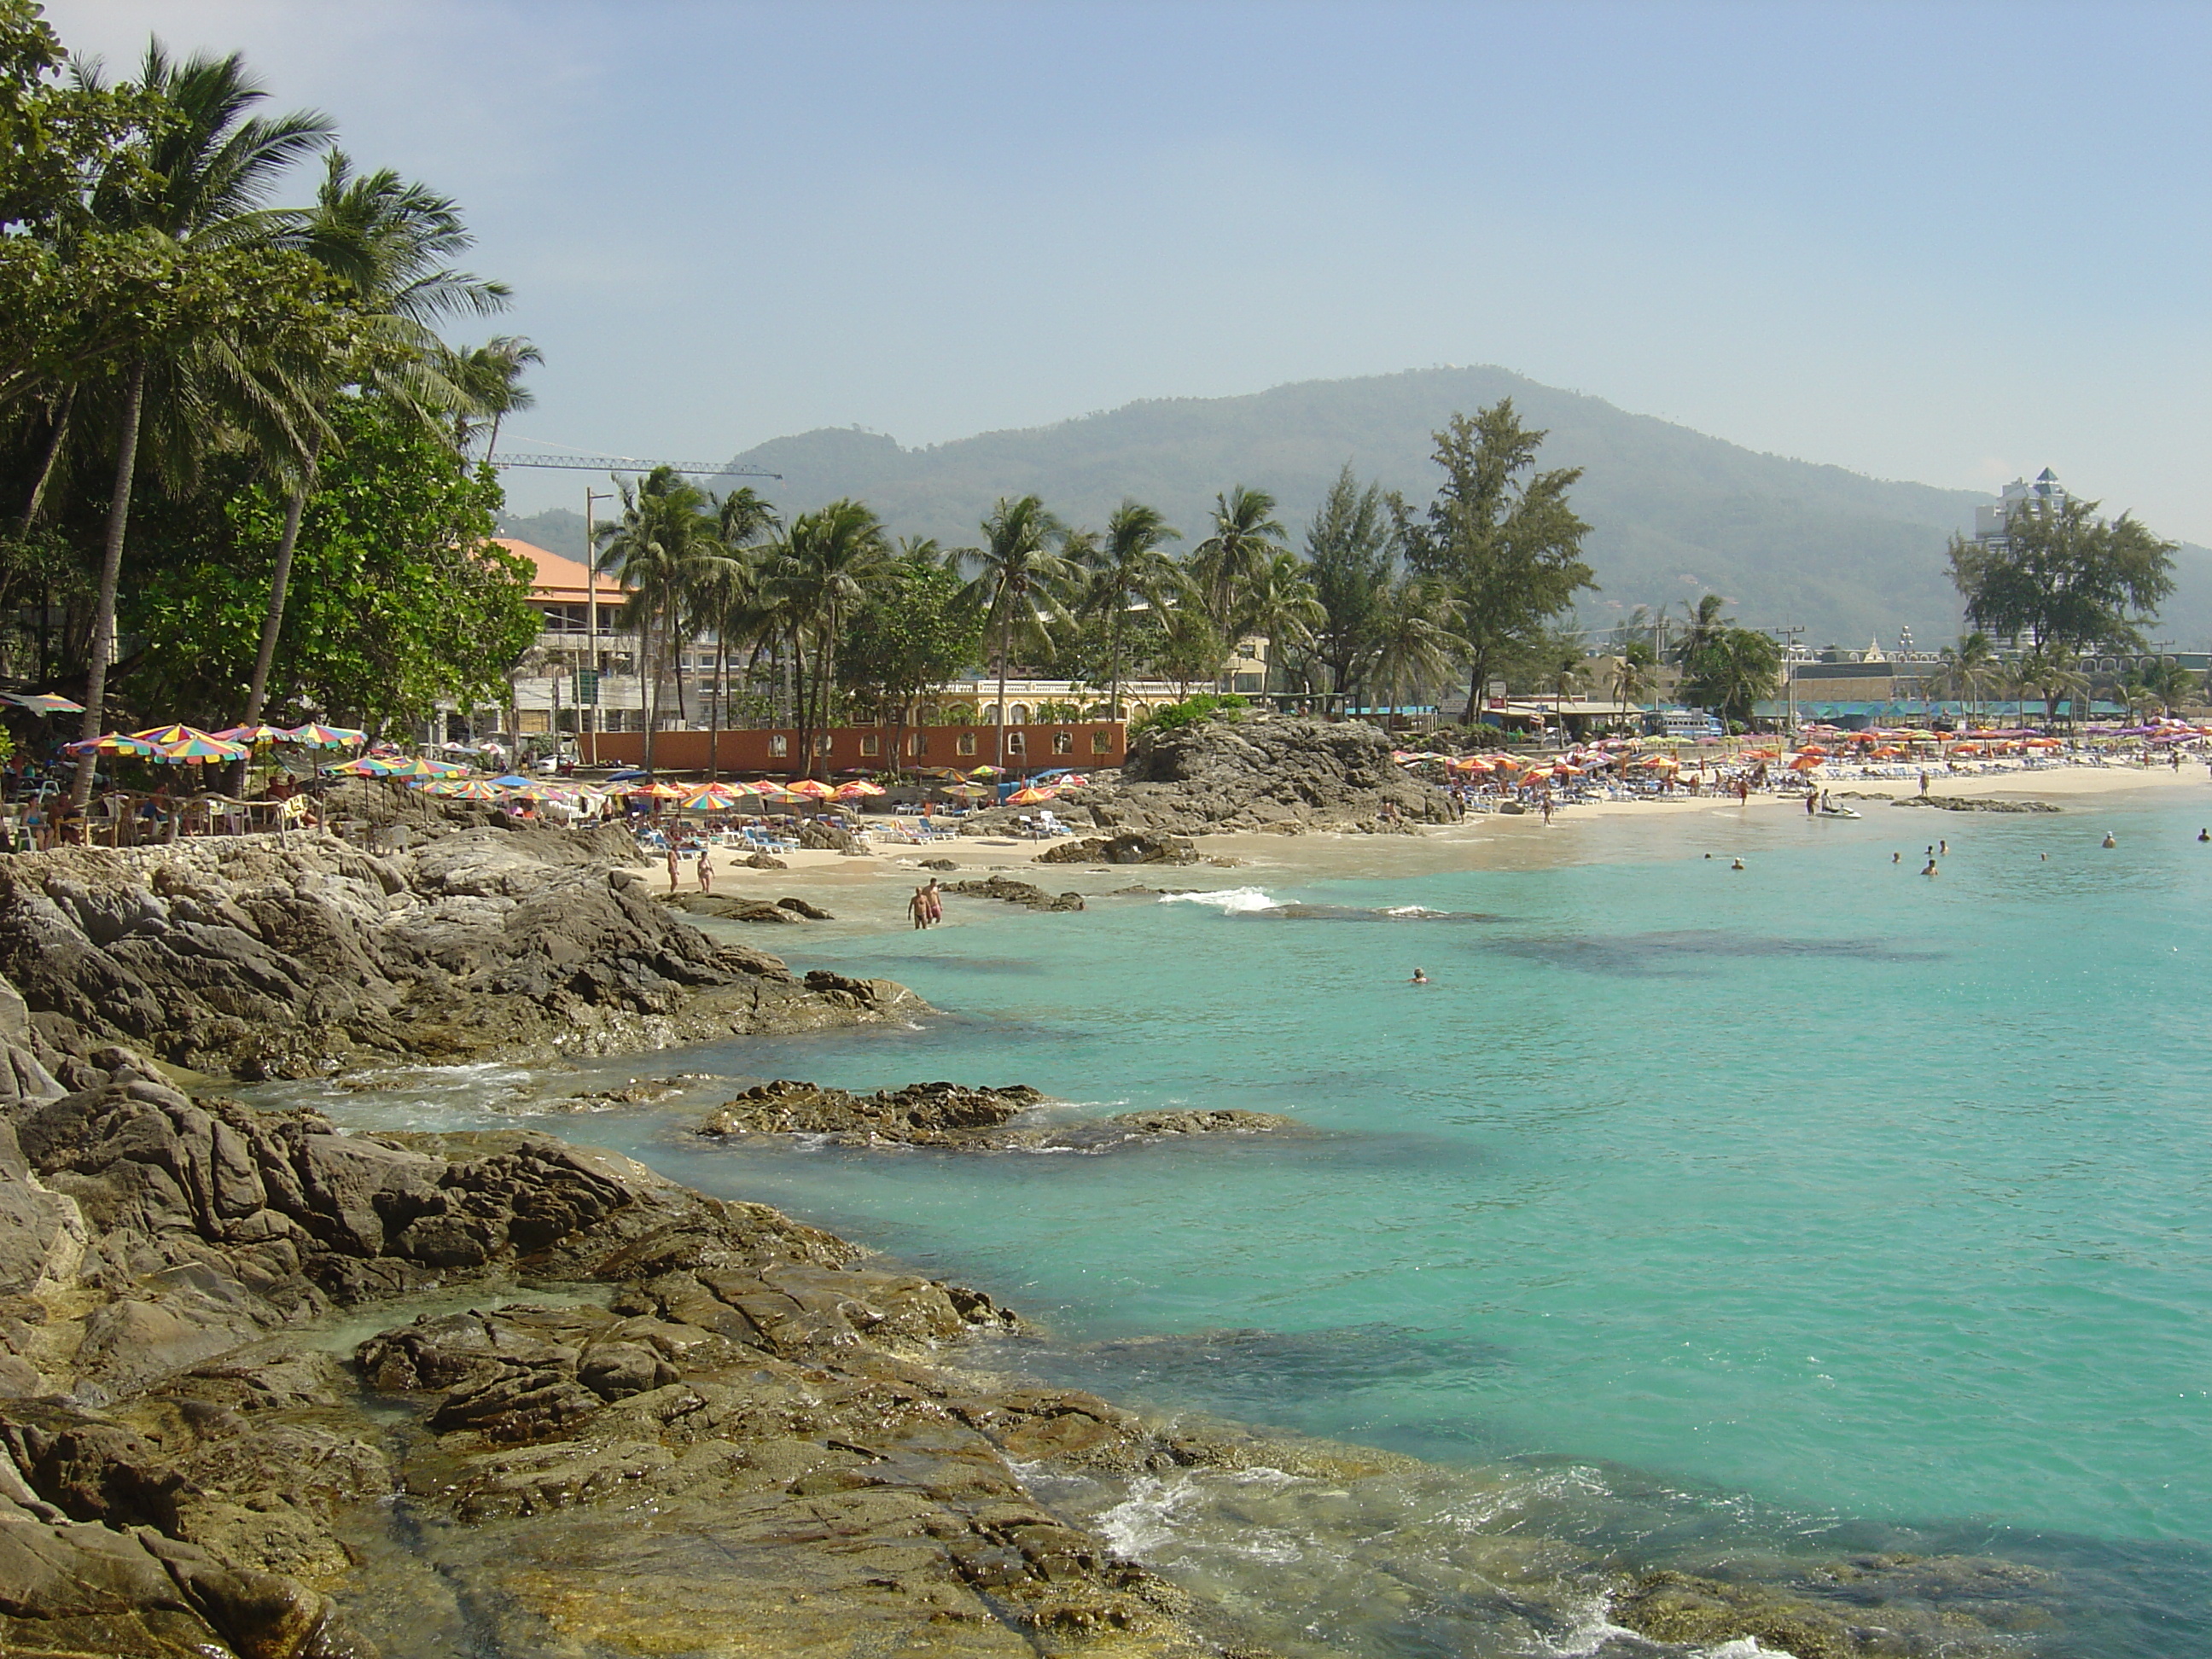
point(561, 581)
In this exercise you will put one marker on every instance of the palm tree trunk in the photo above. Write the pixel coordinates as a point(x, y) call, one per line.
point(1114, 658)
point(111, 574)
point(714, 714)
point(36, 503)
point(648, 685)
point(272, 620)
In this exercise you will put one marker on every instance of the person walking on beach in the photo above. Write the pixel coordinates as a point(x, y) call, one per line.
point(675, 863)
point(918, 908)
point(706, 867)
point(933, 898)
point(1923, 780)
point(1812, 804)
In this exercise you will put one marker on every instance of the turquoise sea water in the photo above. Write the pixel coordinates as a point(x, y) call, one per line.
point(1815, 1199)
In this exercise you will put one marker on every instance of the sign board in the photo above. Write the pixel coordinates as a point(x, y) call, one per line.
point(587, 686)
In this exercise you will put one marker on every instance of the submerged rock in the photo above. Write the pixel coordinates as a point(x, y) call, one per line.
point(1975, 804)
point(1015, 892)
point(946, 1114)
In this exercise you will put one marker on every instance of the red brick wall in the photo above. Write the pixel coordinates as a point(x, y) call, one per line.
point(753, 750)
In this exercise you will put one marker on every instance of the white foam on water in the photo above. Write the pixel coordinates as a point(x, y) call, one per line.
point(1230, 901)
point(1145, 1520)
point(1414, 910)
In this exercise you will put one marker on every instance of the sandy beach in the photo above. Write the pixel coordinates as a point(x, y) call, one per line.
point(868, 893)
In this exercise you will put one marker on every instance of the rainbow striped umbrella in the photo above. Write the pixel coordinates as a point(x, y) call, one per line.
point(464, 789)
point(44, 703)
point(255, 735)
point(313, 736)
point(710, 798)
point(187, 745)
point(373, 766)
point(113, 742)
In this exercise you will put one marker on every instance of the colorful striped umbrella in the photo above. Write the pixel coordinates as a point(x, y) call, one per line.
point(113, 742)
point(187, 745)
point(710, 798)
point(464, 789)
point(811, 786)
point(650, 791)
point(373, 766)
point(44, 703)
point(313, 736)
point(858, 789)
point(255, 735)
point(1031, 796)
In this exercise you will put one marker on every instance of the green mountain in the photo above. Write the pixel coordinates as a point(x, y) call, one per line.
point(1674, 514)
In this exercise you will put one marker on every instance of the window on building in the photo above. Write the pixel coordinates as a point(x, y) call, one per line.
point(1063, 743)
point(778, 745)
point(917, 743)
point(1021, 713)
point(871, 743)
point(1102, 743)
point(1015, 745)
point(966, 743)
point(822, 743)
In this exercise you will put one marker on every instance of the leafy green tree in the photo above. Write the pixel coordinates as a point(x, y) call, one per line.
point(1129, 569)
point(197, 176)
point(820, 574)
point(1735, 668)
point(1019, 589)
point(2064, 578)
point(1351, 548)
point(1278, 605)
point(1413, 644)
point(913, 631)
point(1969, 667)
point(659, 549)
point(1500, 537)
point(402, 602)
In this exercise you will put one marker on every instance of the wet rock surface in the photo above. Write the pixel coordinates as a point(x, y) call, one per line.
point(1016, 892)
point(947, 1115)
point(1975, 804)
point(259, 957)
point(183, 1472)
point(1133, 847)
point(1265, 773)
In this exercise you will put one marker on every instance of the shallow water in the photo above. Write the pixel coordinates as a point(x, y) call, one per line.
point(1814, 1207)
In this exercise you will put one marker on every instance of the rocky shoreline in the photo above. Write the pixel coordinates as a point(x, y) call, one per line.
point(262, 957)
point(946, 1114)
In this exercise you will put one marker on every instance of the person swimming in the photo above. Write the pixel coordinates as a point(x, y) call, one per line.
point(1418, 978)
point(2204, 835)
point(1736, 864)
point(1930, 870)
point(2111, 840)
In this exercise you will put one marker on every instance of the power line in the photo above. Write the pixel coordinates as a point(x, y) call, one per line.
point(626, 464)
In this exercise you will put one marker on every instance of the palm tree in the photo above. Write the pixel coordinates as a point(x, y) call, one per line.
point(491, 377)
point(1246, 535)
point(2047, 672)
point(1129, 569)
point(658, 549)
point(734, 600)
point(1632, 677)
point(387, 241)
point(1703, 627)
point(820, 574)
point(1020, 581)
point(198, 177)
point(1414, 644)
point(1968, 668)
point(1279, 606)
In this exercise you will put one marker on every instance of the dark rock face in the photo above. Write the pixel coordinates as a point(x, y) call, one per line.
point(1015, 892)
point(799, 907)
point(1133, 847)
point(262, 956)
point(827, 838)
point(1265, 773)
point(1974, 803)
point(728, 907)
point(764, 861)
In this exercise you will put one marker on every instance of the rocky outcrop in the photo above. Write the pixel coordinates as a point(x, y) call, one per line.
point(1015, 892)
point(262, 956)
point(829, 838)
point(729, 907)
point(1133, 847)
point(1974, 803)
point(1260, 773)
point(948, 1116)
point(184, 1472)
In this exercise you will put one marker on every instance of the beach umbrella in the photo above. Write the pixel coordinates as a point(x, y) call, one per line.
point(708, 797)
point(1031, 796)
point(1075, 781)
point(373, 766)
point(655, 791)
point(813, 788)
point(44, 703)
point(858, 789)
point(514, 781)
point(984, 772)
point(187, 745)
point(311, 736)
point(464, 789)
point(254, 736)
point(438, 768)
point(112, 743)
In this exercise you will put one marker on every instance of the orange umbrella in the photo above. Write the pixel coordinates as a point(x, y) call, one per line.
point(813, 787)
point(1505, 763)
point(1029, 796)
point(1804, 763)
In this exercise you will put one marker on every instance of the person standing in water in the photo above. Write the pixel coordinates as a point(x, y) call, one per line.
point(1418, 978)
point(917, 908)
point(933, 898)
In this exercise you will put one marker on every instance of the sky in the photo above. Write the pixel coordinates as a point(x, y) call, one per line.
point(1953, 243)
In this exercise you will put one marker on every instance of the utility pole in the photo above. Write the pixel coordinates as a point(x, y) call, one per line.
point(589, 721)
point(1788, 634)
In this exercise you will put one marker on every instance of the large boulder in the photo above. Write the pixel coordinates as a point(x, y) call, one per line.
point(1264, 772)
point(1130, 846)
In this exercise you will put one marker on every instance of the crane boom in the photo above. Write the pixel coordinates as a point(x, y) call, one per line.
point(624, 464)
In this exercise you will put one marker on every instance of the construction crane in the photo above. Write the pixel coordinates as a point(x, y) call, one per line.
point(624, 464)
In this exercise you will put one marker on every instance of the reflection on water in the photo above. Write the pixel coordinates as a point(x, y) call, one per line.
point(1678, 952)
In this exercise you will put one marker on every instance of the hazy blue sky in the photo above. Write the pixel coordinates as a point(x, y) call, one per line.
point(1950, 243)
